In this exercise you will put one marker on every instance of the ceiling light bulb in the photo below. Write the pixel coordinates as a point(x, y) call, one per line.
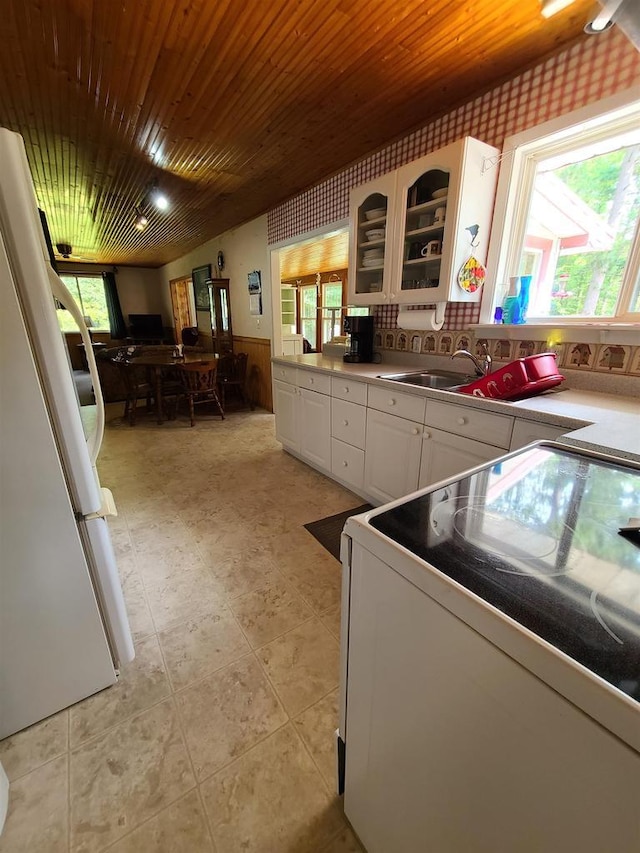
point(160, 200)
point(552, 7)
point(141, 221)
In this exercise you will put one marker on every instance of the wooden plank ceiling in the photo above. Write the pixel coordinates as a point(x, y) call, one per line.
point(327, 254)
point(232, 107)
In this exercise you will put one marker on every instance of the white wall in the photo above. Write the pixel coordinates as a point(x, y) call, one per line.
point(140, 289)
point(245, 249)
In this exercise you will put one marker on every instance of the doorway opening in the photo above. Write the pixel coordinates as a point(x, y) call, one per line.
point(311, 301)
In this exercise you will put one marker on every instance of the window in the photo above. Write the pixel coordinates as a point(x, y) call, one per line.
point(88, 292)
point(568, 214)
point(309, 312)
point(331, 310)
point(321, 307)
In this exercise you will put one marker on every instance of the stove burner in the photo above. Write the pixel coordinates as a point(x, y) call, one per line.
point(503, 536)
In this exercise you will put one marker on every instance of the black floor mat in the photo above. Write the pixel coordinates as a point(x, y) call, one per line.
point(327, 530)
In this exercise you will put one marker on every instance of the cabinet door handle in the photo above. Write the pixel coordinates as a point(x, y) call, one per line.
point(345, 423)
point(426, 435)
point(311, 381)
point(345, 464)
point(346, 390)
point(462, 421)
point(392, 402)
point(415, 431)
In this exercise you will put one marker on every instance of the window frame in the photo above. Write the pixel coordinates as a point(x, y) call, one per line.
point(518, 162)
point(77, 275)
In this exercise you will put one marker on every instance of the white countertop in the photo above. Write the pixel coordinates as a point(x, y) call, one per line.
point(595, 421)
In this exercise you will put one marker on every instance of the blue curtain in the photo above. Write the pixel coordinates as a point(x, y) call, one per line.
point(117, 325)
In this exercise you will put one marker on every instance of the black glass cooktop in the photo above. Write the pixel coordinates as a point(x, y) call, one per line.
point(537, 537)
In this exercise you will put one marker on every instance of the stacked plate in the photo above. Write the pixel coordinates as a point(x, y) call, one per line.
point(376, 213)
point(372, 257)
point(375, 234)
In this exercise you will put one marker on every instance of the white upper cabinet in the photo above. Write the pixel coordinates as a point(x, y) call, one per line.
point(431, 204)
point(371, 240)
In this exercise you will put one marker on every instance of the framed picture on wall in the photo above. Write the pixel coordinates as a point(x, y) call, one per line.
point(200, 276)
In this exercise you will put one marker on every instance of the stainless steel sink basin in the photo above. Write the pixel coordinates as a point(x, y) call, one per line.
point(441, 379)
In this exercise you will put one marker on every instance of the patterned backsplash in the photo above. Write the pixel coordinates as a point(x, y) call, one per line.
point(607, 358)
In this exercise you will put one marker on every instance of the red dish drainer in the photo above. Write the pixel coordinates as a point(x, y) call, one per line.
point(524, 377)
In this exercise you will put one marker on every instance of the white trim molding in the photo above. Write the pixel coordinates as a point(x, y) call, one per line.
point(516, 177)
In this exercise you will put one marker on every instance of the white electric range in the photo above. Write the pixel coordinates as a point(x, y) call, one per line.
point(490, 674)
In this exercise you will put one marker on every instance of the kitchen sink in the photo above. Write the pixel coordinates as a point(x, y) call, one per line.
point(441, 379)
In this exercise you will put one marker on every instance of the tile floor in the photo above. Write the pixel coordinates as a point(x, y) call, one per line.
point(219, 736)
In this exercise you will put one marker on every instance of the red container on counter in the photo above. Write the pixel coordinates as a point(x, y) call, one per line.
point(524, 377)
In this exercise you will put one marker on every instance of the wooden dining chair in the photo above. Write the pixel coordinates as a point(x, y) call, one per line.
point(199, 385)
point(137, 387)
point(232, 373)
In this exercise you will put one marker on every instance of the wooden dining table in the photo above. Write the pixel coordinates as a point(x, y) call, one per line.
point(159, 363)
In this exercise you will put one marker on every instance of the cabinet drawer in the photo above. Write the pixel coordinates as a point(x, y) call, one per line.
point(396, 403)
point(319, 382)
point(347, 463)
point(285, 373)
point(463, 420)
point(348, 422)
point(524, 432)
point(346, 389)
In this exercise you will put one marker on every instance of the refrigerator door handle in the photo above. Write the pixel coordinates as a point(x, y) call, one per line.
point(62, 295)
point(107, 507)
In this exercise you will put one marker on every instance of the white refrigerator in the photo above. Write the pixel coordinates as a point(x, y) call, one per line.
point(63, 624)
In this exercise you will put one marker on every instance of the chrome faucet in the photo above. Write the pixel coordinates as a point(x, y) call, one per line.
point(482, 365)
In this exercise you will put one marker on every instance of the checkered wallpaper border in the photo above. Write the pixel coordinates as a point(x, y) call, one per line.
point(587, 72)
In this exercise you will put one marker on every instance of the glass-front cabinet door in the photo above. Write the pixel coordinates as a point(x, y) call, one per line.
point(371, 240)
point(427, 196)
point(444, 205)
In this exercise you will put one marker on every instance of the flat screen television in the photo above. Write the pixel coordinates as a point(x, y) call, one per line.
point(146, 326)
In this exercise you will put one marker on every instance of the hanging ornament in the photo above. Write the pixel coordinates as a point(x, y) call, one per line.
point(472, 273)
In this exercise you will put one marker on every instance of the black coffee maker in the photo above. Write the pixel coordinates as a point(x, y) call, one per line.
point(360, 346)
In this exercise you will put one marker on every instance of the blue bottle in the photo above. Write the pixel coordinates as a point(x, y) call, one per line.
point(523, 296)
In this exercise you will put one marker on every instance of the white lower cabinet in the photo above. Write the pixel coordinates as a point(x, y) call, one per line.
point(524, 432)
point(392, 456)
point(348, 422)
point(347, 463)
point(445, 454)
point(285, 406)
point(373, 439)
point(315, 427)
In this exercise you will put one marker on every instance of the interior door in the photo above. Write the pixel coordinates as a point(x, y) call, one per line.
point(181, 305)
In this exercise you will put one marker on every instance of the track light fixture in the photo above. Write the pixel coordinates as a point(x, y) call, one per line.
point(153, 197)
point(604, 17)
point(140, 222)
point(159, 199)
